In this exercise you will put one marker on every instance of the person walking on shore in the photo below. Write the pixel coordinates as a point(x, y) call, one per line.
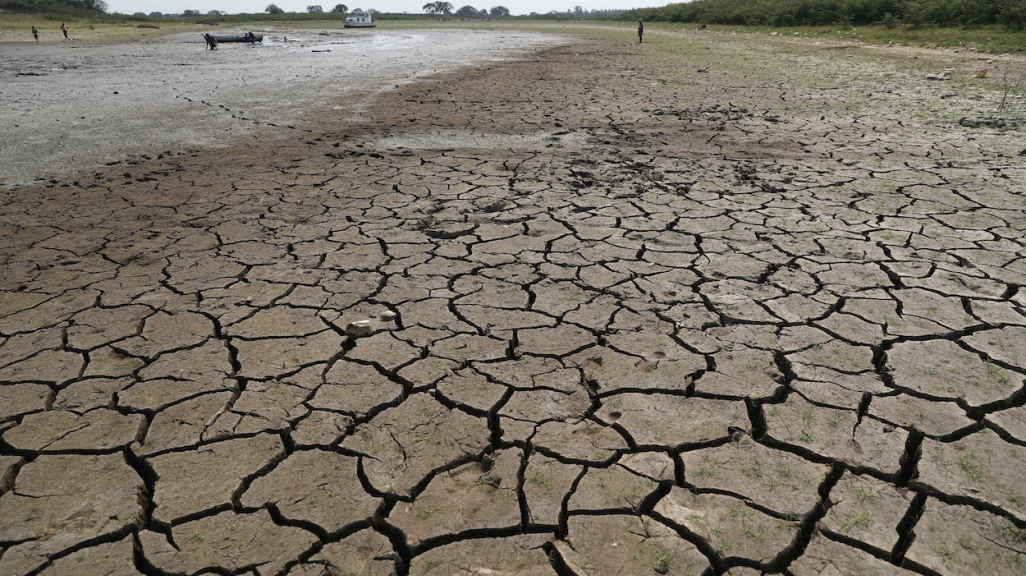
point(64, 29)
point(35, 34)
point(641, 30)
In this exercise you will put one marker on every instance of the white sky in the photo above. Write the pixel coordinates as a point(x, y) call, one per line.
point(516, 7)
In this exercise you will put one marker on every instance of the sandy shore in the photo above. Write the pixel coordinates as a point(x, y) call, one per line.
point(72, 107)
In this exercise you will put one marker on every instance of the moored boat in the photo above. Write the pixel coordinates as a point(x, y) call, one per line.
point(237, 38)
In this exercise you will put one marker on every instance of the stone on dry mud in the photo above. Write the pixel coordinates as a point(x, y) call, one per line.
point(62, 501)
point(314, 486)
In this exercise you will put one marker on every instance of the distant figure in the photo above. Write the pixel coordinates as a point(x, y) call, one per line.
point(641, 30)
point(251, 37)
point(35, 33)
point(64, 29)
point(211, 42)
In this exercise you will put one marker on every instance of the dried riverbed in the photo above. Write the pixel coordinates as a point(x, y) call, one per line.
point(709, 304)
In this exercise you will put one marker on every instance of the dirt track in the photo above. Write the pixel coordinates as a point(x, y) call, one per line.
point(708, 304)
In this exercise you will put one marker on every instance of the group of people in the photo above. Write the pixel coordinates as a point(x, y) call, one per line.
point(64, 30)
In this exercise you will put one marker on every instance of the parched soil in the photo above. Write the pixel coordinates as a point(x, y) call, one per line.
point(708, 304)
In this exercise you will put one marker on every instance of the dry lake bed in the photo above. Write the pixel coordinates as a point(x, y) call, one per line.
point(550, 305)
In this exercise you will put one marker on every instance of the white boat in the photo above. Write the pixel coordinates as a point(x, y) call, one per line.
point(360, 19)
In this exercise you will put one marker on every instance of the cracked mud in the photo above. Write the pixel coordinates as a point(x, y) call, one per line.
point(712, 304)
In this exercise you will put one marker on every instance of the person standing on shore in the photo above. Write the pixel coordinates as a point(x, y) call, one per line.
point(35, 34)
point(641, 30)
point(64, 29)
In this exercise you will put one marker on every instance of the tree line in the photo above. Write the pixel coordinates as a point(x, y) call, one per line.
point(890, 13)
point(66, 7)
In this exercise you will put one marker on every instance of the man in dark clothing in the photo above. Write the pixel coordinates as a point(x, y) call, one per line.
point(211, 43)
point(641, 30)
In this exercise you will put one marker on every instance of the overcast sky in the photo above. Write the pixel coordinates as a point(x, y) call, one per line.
point(516, 7)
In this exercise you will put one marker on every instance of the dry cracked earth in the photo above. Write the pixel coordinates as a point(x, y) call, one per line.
point(712, 304)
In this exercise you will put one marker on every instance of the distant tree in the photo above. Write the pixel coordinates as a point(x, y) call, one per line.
point(438, 8)
point(499, 12)
point(466, 12)
point(578, 11)
point(188, 13)
point(315, 9)
point(273, 9)
point(482, 12)
point(156, 14)
point(340, 9)
point(215, 13)
point(139, 14)
point(98, 5)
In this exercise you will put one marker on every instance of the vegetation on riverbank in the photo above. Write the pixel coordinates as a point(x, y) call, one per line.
point(994, 38)
point(887, 13)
